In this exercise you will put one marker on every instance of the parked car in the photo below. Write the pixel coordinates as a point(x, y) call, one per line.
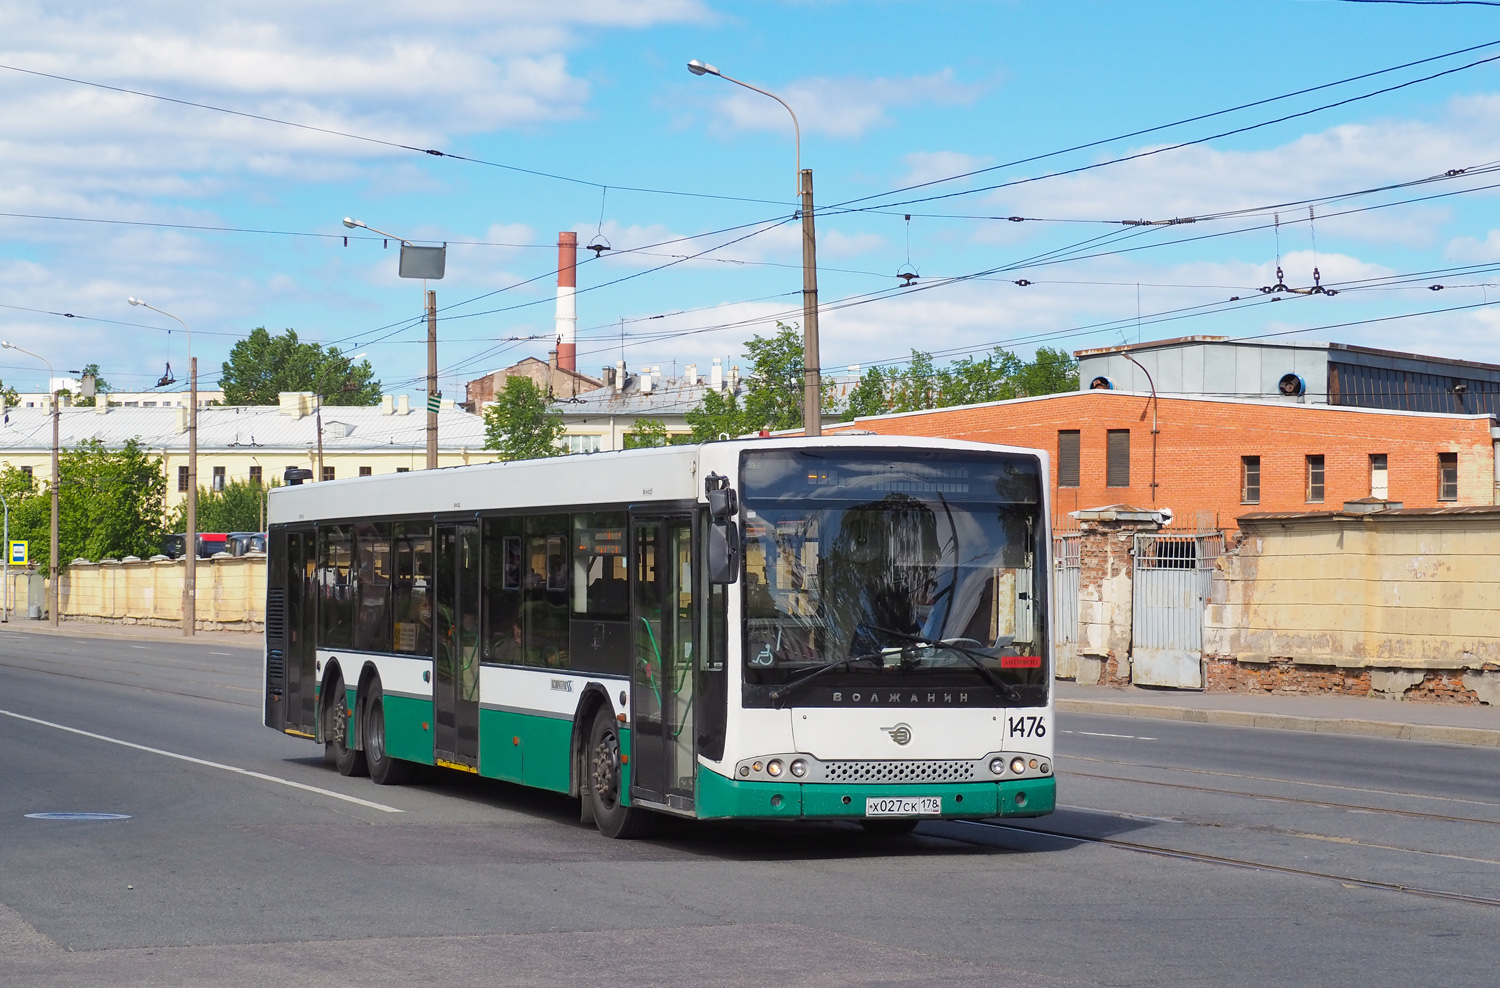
point(208, 544)
point(243, 542)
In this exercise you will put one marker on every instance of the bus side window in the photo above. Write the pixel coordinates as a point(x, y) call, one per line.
point(372, 553)
point(503, 640)
point(544, 590)
point(713, 674)
point(336, 588)
point(411, 596)
point(599, 628)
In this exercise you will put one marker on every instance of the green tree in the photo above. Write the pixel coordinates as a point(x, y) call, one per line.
point(772, 394)
point(110, 504)
point(521, 425)
point(11, 397)
point(237, 508)
point(101, 386)
point(261, 366)
point(1051, 372)
point(648, 433)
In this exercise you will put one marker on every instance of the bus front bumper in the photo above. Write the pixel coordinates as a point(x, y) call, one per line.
point(721, 798)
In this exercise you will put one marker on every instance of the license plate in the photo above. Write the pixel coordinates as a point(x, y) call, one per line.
point(904, 806)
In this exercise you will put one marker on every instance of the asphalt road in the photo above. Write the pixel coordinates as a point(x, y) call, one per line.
point(1193, 855)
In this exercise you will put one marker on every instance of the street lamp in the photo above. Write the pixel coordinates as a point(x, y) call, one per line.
point(812, 391)
point(190, 539)
point(424, 263)
point(52, 593)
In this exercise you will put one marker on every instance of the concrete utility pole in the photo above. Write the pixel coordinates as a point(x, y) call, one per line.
point(52, 590)
point(812, 385)
point(434, 400)
point(424, 263)
point(812, 376)
point(190, 538)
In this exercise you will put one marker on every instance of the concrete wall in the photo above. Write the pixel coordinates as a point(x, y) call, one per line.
point(231, 592)
point(1404, 604)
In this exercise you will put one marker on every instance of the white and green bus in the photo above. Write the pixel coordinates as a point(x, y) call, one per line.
point(796, 629)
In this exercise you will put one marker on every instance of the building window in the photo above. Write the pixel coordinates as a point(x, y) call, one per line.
point(27, 472)
point(255, 476)
point(366, 471)
point(1380, 485)
point(581, 444)
point(328, 473)
point(1117, 458)
point(403, 469)
point(148, 404)
point(218, 478)
point(1447, 476)
point(182, 479)
point(1315, 478)
point(1249, 480)
point(1067, 458)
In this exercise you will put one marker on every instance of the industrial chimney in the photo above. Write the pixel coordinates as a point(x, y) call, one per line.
point(567, 310)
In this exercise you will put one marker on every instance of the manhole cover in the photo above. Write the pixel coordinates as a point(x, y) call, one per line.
point(71, 815)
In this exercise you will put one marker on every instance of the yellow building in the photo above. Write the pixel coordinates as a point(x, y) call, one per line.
point(255, 442)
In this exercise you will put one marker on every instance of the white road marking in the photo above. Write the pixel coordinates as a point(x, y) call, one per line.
point(200, 761)
point(1096, 734)
point(220, 653)
point(138, 646)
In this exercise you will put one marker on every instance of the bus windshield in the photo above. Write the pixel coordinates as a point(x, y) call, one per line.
point(909, 576)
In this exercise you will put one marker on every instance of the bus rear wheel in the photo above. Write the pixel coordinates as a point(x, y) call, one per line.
point(384, 770)
point(347, 758)
point(604, 768)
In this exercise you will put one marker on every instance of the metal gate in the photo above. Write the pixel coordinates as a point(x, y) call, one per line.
point(1065, 605)
point(1173, 574)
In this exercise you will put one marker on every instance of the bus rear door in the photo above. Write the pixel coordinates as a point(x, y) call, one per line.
point(662, 681)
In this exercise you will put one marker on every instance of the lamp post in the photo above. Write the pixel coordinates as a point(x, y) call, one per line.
point(190, 540)
point(52, 594)
point(424, 263)
point(812, 391)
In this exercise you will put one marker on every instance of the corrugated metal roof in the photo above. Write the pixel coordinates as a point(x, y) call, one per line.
point(345, 428)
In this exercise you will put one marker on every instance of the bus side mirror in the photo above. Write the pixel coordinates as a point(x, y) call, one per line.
point(723, 531)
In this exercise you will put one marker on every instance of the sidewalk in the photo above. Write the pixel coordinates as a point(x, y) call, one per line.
point(1448, 724)
point(130, 632)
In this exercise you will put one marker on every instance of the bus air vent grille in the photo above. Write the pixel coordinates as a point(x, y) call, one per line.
point(276, 615)
point(900, 771)
point(275, 670)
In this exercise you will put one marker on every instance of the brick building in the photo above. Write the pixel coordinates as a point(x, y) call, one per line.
point(1211, 459)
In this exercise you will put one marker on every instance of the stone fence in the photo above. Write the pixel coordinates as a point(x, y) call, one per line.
point(231, 592)
point(1397, 603)
point(1374, 600)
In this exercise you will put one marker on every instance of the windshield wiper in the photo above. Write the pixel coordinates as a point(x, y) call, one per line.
point(779, 694)
point(973, 657)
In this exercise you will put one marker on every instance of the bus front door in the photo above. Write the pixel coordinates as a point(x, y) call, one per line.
point(455, 687)
point(661, 677)
point(301, 619)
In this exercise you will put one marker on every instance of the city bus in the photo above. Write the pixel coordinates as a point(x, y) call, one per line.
point(847, 628)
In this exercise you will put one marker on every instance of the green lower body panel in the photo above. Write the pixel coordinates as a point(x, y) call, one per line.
point(719, 798)
point(408, 728)
point(525, 748)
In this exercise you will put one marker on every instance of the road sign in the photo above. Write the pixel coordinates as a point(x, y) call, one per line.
point(434, 401)
point(18, 553)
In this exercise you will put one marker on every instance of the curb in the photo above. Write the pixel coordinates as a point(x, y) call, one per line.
point(1482, 737)
point(88, 629)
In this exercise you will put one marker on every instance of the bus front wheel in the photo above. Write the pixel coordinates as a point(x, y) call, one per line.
point(604, 768)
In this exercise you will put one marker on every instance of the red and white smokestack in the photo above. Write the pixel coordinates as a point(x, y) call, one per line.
point(567, 309)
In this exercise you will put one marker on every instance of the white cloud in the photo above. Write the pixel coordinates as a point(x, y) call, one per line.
point(929, 166)
point(846, 107)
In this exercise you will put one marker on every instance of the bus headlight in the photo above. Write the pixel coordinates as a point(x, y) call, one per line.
point(799, 768)
point(1018, 765)
point(997, 766)
point(773, 767)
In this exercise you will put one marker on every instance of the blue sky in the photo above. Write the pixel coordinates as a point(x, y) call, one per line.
point(889, 95)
